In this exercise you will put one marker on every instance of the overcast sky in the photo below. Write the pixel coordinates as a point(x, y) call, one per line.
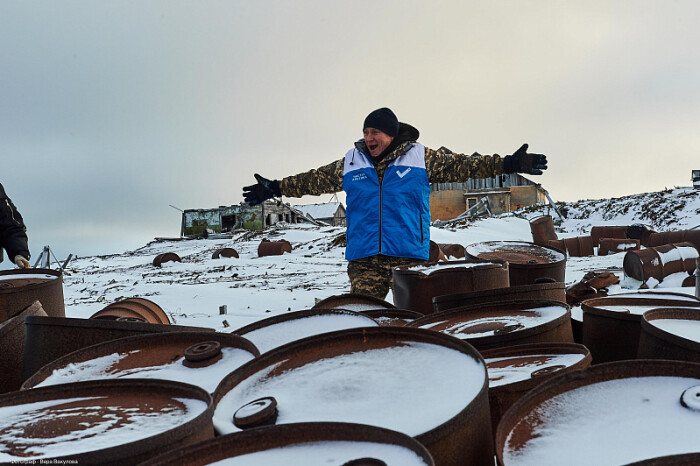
point(110, 111)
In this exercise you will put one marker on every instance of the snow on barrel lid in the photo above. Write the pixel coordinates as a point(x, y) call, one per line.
point(630, 411)
point(493, 320)
point(515, 252)
point(100, 422)
point(389, 377)
point(510, 369)
point(199, 358)
point(276, 331)
point(680, 322)
point(636, 304)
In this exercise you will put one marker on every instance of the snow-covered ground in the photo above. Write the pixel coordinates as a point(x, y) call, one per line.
point(253, 288)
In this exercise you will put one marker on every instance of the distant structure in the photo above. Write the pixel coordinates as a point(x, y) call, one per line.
point(696, 178)
point(331, 213)
point(503, 193)
point(225, 219)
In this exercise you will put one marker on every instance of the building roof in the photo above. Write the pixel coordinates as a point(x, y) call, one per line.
point(318, 211)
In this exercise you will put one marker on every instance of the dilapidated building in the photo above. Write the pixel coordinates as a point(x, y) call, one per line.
point(224, 219)
point(332, 213)
point(503, 193)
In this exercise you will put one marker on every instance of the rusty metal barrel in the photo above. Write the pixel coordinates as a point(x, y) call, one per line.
point(611, 325)
point(104, 422)
point(353, 302)
point(452, 250)
point(660, 261)
point(332, 443)
point(49, 338)
point(161, 259)
point(616, 413)
point(542, 229)
point(670, 333)
point(679, 236)
point(611, 231)
point(19, 288)
point(515, 370)
point(503, 324)
point(424, 384)
point(274, 248)
point(224, 252)
point(197, 358)
point(547, 291)
point(435, 253)
point(579, 246)
point(12, 333)
point(527, 262)
point(615, 245)
point(415, 286)
point(392, 317)
point(137, 308)
point(279, 330)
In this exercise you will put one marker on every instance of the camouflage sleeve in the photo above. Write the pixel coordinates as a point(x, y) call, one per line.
point(444, 166)
point(325, 180)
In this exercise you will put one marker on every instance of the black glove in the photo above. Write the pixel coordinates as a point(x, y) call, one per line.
point(523, 162)
point(265, 189)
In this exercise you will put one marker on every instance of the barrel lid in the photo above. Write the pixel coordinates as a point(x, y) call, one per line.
point(513, 364)
point(278, 330)
point(198, 358)
point(452, 267)
point(498, 322)
point(352, 302)
point(630, 410)
point(384, 376)
point(681, 325)
point(515, 252)
point(392, 317)
point(93, 422)
point(11, 280)
point(631, 306)
point(308, 443)
point(108, 324)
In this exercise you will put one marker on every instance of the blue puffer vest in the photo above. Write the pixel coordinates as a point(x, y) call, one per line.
point(390, 218)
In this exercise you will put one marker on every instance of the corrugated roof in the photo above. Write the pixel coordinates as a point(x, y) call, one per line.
point(317, 211)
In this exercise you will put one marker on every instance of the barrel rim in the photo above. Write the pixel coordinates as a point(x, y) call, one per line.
point(278, 319)
point(659, 313)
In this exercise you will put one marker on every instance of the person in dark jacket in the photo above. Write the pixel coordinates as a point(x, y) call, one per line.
point(13, 233)
point(386, 177)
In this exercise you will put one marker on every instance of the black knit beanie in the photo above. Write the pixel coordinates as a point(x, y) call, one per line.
point(384, 120)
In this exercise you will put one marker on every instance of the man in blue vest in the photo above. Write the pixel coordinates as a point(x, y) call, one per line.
point(386, 177)
point(13, 233)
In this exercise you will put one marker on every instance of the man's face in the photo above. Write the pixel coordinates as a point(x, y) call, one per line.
point(376, 141)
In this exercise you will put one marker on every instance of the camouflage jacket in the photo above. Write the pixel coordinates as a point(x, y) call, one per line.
point(442, 165)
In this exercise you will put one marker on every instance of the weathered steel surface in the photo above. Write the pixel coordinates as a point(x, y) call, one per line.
point(527, 262)
point(224, 252)
point(464, 439)
point(496, 319)
point(138, 308)
point(660, 261)
point(414, 288)
point(392, 317)
point(611, 333)
point(98, 409)
point(49, 338)
point(353, 302)
point(200, 349)
point(656, 343)
point(166, 257)
point(517, 428)
point(615, 245)
point(598, 232)
point(537, 292)
point(286, 436)
point(580, 246)
point(12, 333)
point(542, 229)
point(274, 248)
point(19, 288)
point(452, 250)
point(436, 253)
point(502, 397)
point(679, 236)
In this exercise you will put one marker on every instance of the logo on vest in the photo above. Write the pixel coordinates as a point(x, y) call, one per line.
point(359, 177)
point(403, 173)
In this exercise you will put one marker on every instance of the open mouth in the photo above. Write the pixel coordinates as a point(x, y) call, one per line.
point(372, 147)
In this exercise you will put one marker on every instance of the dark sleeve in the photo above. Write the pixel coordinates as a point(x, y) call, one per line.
point(325, 180)
point(445, 166)
point(13, 236)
